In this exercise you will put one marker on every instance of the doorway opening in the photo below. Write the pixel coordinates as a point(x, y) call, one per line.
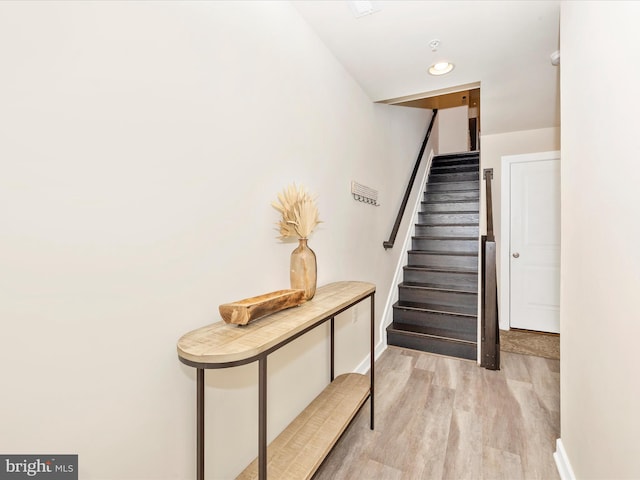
point(465, 97)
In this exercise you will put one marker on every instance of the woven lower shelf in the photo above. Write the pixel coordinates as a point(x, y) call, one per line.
point(300, 449)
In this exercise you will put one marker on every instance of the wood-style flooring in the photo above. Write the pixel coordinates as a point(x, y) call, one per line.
point(445, 418)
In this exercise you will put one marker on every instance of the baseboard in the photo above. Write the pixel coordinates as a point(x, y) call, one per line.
point(363, 367)
point(562, 462)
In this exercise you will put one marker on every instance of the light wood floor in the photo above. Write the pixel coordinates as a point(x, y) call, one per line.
point(439, 417)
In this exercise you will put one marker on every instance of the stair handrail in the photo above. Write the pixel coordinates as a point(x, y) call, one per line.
point(490, 328)
point(396, 226)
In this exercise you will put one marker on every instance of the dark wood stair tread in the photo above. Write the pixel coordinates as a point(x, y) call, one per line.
point(434, 285)
point(428, 331)
point(467, 183)
point(432, 252)
point(441, 269)
point(456, 165)
point(440, 308)
point(448, 287)
point(441, 202)
point(441, 288)
point(455, 168)
point(431, 343)
point(454, 156)
point(472, 316)
point(457, 223)
point(458, 155)
point(437, 237)
point(454, 224)
point(452, 212)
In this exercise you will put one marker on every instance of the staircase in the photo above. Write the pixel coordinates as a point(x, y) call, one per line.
point(437, 304)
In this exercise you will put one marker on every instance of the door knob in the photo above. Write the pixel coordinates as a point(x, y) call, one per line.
point(516, 255)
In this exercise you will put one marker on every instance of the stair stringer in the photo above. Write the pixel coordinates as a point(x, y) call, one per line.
point(392, 296)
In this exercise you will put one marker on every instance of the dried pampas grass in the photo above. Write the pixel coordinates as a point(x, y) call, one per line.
point(299, 212)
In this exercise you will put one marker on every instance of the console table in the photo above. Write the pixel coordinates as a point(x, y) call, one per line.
point(300, 449)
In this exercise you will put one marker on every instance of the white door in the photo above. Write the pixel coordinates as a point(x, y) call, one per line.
point(534, 253)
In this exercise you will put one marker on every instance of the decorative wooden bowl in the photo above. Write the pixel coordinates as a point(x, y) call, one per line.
point(249, 309)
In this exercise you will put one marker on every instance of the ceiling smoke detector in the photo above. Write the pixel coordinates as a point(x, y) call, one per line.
point(361, 8)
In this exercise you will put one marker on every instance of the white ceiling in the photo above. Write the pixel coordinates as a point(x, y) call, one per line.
point(504, 45)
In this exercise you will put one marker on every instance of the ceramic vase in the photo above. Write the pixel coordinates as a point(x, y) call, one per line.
point(303, 273)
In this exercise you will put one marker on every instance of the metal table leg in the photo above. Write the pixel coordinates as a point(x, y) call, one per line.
point(262, 418)
point(373, 356)
point(333, 348)
point(200, 425)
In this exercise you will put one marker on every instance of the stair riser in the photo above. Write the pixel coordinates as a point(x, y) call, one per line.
point(467, 246)
point(453, 177)
point(448, 230)
point(462, 280)
point(432, 345)
point(455, 302)
point(446, 162)
point(417, 259)
point(440, 218)
point(454, 169)
point(473, 207)
point(468, 195)
point(459, 327)
point(452, 186)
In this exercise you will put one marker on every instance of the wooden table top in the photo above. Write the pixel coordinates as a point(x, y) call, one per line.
point(221, 344)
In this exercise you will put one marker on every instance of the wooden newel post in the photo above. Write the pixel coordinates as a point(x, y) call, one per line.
point(490, 331)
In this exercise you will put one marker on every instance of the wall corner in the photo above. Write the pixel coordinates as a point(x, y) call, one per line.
point(562, 462)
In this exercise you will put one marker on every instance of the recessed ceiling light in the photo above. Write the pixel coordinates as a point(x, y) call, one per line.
point(440, 68)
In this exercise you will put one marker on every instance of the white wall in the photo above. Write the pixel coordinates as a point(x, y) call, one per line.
point(453, 131)
point(493, 148)
point(600, 270)
point(141, 144)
